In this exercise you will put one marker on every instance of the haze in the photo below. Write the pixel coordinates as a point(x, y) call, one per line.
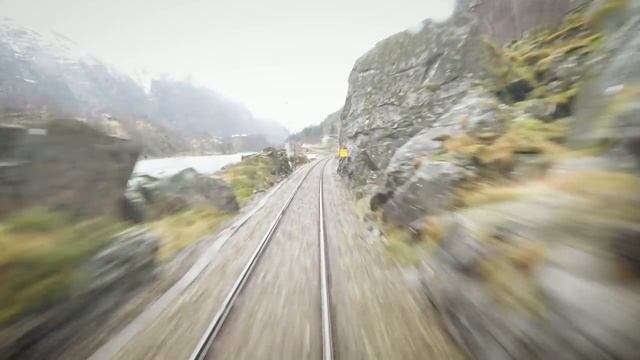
point(286, 60)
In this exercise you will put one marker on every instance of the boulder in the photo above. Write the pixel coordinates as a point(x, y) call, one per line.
point(414, 172)
point(430, 191)
point(153, 197)
point(403, 85)
point(65, 165)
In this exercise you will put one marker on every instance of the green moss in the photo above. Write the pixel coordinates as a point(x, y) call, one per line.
point(42, 257)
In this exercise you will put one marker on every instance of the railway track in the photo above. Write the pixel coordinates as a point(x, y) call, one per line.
point(206, 342)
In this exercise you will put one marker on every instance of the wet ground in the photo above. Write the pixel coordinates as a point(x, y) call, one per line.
point(377, 313)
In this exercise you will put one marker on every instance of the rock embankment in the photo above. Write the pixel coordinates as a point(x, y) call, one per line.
point(515, 170)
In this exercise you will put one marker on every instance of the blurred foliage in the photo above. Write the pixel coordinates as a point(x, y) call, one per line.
point(185, 228)
point(42, 255)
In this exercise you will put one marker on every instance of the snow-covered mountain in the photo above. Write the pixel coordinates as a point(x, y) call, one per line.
point(47, 75)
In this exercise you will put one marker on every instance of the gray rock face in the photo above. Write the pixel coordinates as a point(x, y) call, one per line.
point(415, 174)
point(65, 165)
point(106, 282)
point(402, 86)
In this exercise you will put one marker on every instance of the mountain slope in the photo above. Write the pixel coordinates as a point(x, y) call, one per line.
point(314, 133)
point(199, 111)
point(47, 76)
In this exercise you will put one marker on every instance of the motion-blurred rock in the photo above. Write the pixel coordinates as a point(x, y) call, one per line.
point(106, 281)
point(65, 165)
point(516, 168)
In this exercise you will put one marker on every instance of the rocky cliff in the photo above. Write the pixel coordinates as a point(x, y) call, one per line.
point(514, 168)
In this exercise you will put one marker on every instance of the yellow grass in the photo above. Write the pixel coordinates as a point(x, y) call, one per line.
point(183, 229)
point(42, 256)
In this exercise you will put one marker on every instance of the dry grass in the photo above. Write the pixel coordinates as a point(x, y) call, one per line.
point(248, 176)
point(512, 287)
point(523, 137)
point(183, 229)
point(621, 188)
point(42, 257)
point(530, 59)
point(433, 231)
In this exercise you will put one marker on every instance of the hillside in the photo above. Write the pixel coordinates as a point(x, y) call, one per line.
point(45, 76)
point(313, 134)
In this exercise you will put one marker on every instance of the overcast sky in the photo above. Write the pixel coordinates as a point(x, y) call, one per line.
point(288, 60)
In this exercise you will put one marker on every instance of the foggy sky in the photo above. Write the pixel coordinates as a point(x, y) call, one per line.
point(286, 60)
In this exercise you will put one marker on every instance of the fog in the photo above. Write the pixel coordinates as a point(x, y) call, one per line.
point(286, 60)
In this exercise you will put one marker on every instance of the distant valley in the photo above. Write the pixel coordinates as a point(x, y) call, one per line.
point(44, 77)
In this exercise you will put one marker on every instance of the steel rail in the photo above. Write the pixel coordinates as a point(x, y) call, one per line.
point(205, 343)
point(325, 295)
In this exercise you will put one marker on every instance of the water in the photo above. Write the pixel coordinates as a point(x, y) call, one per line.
point(169, 166)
